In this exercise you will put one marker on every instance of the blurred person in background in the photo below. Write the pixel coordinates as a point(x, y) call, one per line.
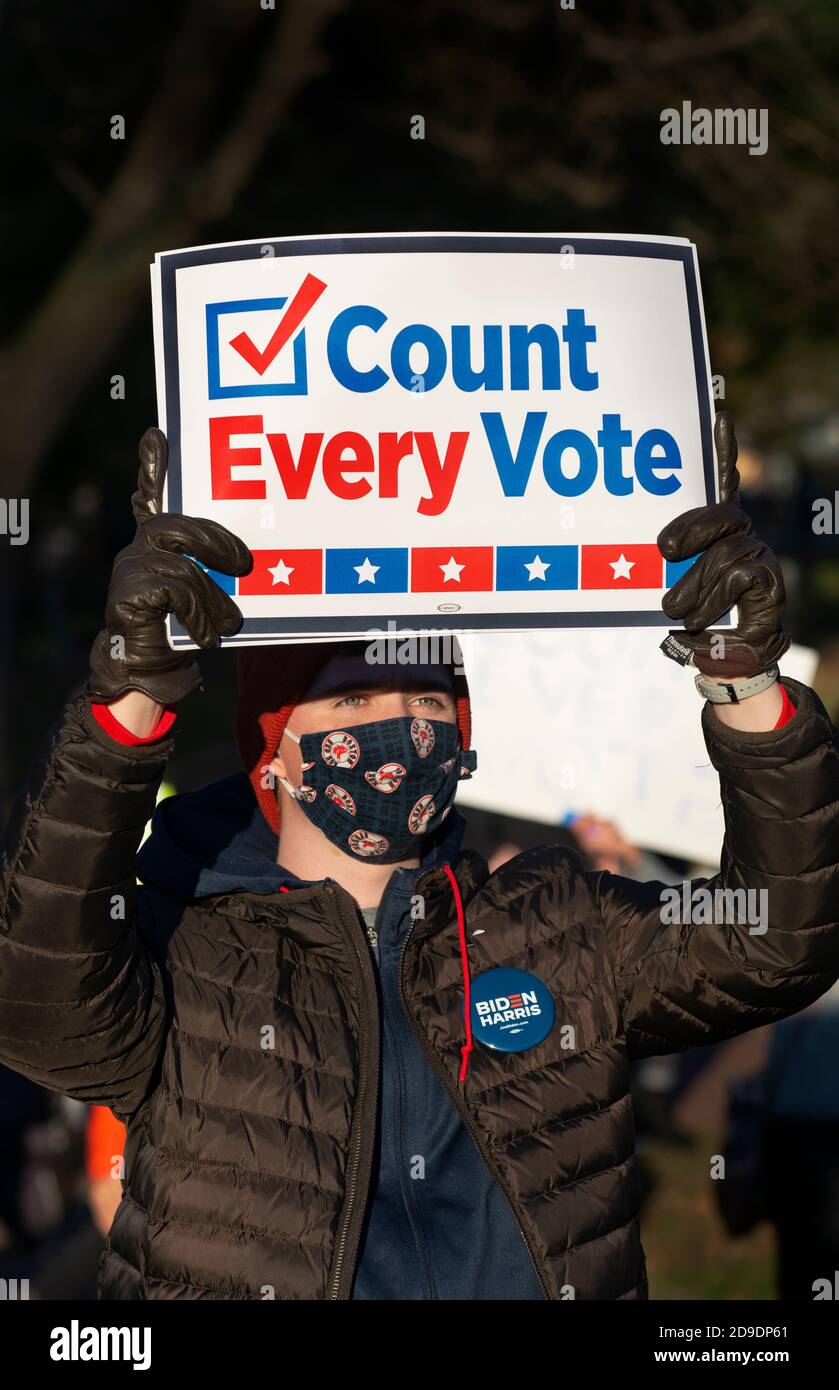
point(802, 1140)
point(22, 1106)
point(104, 1148)
point(782, 1151)
point(48, 1235)
point(607, 848)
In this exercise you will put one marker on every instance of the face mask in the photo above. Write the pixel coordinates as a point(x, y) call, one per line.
point(377, 789)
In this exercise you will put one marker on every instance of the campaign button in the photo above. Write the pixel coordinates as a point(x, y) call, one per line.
point(511, 1010)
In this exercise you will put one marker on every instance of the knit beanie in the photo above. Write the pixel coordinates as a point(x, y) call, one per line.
point(271, 681)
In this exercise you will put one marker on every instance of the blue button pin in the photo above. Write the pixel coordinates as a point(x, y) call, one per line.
point(511, 1010)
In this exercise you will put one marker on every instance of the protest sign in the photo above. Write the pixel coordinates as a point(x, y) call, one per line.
point(616, 728)
point(457, 431)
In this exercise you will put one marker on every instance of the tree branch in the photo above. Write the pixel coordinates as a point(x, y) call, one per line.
point(72, 333)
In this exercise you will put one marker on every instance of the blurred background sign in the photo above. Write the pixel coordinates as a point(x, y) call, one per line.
point(609, 725)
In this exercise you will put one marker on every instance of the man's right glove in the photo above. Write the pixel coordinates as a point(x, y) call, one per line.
point(152, 577)
point(736, 567)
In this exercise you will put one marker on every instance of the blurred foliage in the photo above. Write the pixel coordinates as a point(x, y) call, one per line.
point(689, 1252)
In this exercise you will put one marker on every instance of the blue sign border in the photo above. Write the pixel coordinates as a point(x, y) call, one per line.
point(256, 629)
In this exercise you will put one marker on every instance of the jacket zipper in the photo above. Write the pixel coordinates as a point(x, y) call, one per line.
point(477, 1137)
point(362, 1130)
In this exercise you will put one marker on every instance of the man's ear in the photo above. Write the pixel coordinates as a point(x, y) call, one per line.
point(278, 767)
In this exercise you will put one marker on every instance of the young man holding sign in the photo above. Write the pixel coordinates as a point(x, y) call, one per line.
point(354, 1064)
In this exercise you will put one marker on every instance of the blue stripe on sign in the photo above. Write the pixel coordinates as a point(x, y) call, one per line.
point(367, 571)
point(536, 567)
point(227, 582)
point(674, 569)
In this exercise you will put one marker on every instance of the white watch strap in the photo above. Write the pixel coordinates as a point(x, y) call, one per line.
point(737, 689)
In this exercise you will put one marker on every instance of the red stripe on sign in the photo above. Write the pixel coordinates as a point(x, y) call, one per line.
point(448, 570)
point(621, 567)
point(284, 572)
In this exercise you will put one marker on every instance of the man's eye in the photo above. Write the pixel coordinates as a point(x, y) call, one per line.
point(430, 699)
point(349, 698)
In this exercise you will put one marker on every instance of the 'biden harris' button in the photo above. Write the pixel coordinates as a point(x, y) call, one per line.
point(511, 1010)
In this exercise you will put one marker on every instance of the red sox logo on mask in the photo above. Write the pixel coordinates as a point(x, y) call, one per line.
point(386, 778)
point(421, 814)
point(365, 842)
point(423, 737)
point(340, 749)
point(341, 798)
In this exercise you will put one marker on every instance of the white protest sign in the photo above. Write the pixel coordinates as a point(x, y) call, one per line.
point(609, 725)
point(457, 431)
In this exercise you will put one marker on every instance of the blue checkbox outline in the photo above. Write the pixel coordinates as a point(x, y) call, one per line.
point(298, 387)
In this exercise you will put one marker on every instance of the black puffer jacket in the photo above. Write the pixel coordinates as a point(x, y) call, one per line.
point(247, 1170)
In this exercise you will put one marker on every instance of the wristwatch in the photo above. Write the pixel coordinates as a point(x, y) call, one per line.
point(739, 688)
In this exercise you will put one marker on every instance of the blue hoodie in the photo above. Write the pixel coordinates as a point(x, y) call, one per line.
point(438, 1226)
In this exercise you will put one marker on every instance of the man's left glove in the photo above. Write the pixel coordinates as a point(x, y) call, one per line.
point(734, 568)
point(155, 575)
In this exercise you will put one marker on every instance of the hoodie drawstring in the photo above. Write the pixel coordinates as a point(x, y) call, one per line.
point(468, 1046)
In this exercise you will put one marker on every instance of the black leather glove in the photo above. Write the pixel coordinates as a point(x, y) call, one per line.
point(736, 568)
point(152, 577)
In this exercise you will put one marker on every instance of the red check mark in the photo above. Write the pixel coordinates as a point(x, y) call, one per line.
point(295, 312)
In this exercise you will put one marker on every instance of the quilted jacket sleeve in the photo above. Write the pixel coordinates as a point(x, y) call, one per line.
point(767, 951)
point(82, 1007)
